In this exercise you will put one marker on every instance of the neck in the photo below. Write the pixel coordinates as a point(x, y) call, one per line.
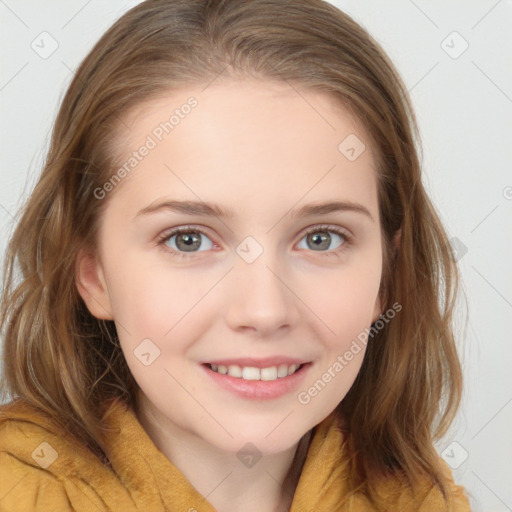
point(268, 487)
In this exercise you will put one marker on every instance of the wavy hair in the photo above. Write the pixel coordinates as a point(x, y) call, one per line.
point(66, 362)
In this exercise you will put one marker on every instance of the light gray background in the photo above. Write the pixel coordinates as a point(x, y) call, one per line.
point(463, 101)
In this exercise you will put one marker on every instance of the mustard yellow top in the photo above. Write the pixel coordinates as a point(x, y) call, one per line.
point(43, 470)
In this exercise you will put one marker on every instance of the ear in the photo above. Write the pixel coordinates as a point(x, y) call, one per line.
point(91, 285)
point(378, 309)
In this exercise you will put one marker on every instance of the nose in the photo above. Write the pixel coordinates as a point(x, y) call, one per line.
point(260, 296)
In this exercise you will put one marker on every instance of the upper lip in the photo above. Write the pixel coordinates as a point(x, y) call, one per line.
point(259, 363)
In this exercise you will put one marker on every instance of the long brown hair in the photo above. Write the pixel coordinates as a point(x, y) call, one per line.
point(66, 362)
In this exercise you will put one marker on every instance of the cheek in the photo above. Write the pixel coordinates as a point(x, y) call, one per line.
point(345, 306)
point(142, 294)
point(344, 300)
point(160, 303)
point(156, 321)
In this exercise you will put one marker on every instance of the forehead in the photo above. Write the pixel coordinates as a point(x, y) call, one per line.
point(264, 140)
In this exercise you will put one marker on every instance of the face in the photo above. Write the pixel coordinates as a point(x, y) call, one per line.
point(270, 278)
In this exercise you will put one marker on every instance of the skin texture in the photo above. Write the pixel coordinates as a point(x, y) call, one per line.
point(261, 149)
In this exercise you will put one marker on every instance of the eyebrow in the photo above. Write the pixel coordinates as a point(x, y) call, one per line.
point(213, 209)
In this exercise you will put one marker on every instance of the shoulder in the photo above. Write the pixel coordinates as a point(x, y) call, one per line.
point(427, 497)
point(457, 498)
point(38, 463)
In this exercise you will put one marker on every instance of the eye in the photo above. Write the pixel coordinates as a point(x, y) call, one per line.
point(320, 237)
point(185, 241)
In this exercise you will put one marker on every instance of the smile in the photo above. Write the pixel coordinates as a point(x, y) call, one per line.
point(253, 373)
point(253, 383)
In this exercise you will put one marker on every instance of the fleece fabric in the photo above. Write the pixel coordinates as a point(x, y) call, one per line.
point(44, 470)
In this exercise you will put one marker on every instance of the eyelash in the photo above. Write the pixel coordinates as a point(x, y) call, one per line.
point(347, 239)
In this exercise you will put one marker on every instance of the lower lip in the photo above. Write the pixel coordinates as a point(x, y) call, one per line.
point(259, 389)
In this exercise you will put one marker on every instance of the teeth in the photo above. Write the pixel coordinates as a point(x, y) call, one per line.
point(235, 371)
point(252, 373)
point(269, 373)
point(249, 373)
point(282, 370)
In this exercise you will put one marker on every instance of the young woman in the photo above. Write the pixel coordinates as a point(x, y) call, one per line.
point(234, 292)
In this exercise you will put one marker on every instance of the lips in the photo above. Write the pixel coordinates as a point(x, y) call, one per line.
point(252, 389)
point(258, 363)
